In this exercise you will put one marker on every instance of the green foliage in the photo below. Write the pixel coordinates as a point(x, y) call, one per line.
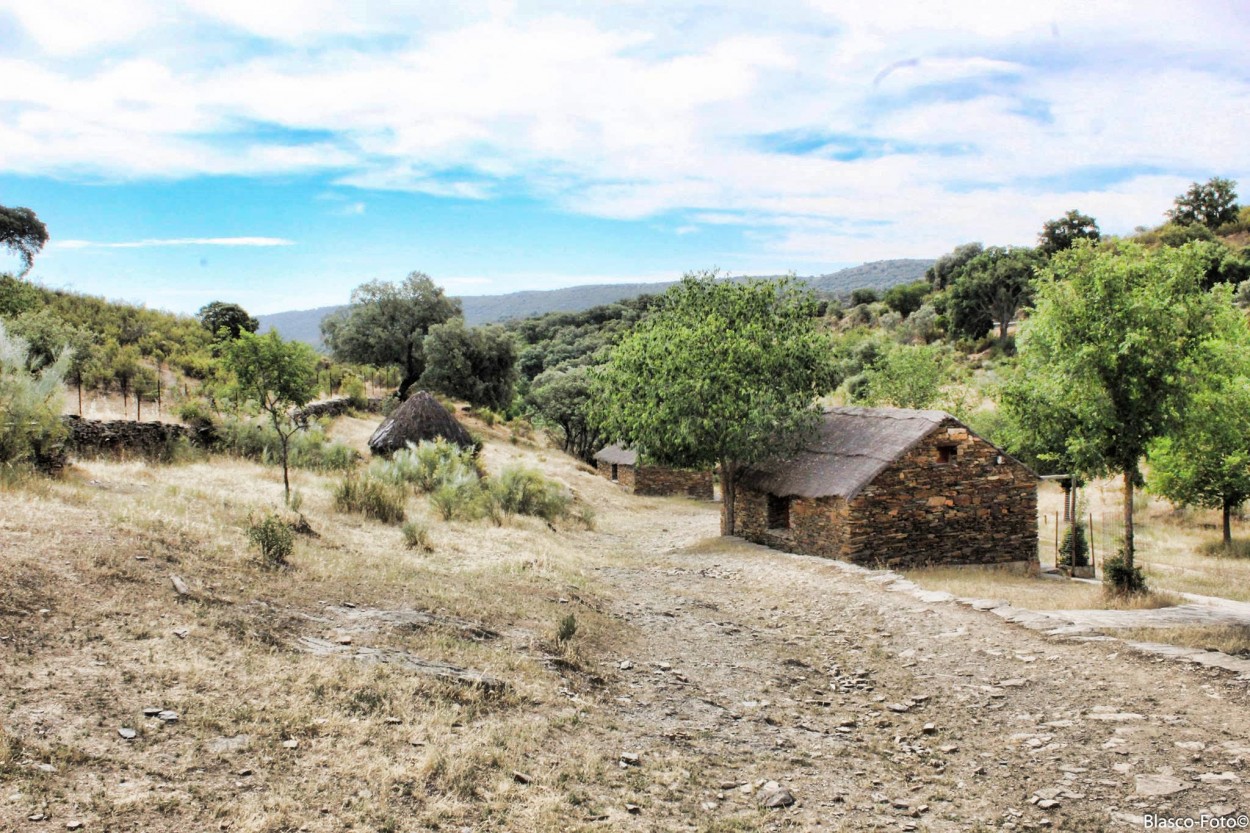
point(426, 466)
point(387, 323)
point(274, 538)
point(562, 398)
point(567, 629)
point(371, 497)
point(864, 295)
point(458, 495)
point(475, 364)
point(31, 430)
point(723, 372)
point(310, 449)
point(522, 491)
point(564, 340)
point(1178, 234)
point(1074, 549)
point(1205, 459)
point(417, 536)
point(278, 376)
point(989, 288)
point(1061, 234)
point(1211, 204)
point(1121, 577)
point(354, 390)
point(1106, 359)
point(22, 233)
point(943, 271)
point(906, 298)
point(225, 321)
point(906, 377)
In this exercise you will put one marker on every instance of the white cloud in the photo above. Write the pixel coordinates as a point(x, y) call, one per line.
point(176, 241)
point(976, 119)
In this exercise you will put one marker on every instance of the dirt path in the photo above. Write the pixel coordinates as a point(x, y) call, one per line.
point(878, 711)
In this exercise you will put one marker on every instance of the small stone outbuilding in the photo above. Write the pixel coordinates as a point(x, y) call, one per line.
point(894, 487)
point(620, 465)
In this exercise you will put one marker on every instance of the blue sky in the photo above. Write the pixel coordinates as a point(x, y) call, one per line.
point(278, 154)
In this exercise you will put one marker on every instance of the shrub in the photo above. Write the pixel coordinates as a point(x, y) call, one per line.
point(274, 538)
point(309, 449)
point(427, 466)
point(567, 629)
point(458, 497)
point(31, 431)
point(370, 497)
point(417, 536)
point(1074, 551)
point(522, 491)
point(354, 390)
point(1120, 580)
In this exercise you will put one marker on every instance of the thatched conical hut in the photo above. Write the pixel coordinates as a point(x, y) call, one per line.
point(419, 418)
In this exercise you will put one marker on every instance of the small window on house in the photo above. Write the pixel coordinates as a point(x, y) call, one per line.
point(778, 512)
point(614, 472)
point(947, 453)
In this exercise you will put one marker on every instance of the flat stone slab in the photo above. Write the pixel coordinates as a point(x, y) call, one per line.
point(1157, 784)
point(402, 659)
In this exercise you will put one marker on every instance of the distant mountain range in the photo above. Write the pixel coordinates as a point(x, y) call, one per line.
point(305, 325)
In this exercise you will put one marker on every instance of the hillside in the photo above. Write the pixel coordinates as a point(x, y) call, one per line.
point(304, 325)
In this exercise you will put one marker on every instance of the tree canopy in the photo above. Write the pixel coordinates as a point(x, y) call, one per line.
point(386, 323)
point(278, 376)
point(477, 364)
point(1211, 204)
point(1106, 359)
point(23, 233)
point(721, 373)
point(991, 288)
point(942, 272)
point(1060, 234)
point(232, 318)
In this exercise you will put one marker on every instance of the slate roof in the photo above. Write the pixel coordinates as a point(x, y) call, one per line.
point(851, 446)
point(617, 454)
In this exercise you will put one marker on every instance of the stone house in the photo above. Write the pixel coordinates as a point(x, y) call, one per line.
point(620, 465)
point(894, 487)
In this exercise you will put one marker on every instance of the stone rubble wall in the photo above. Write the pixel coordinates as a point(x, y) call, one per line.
point(338, 407)
point(624, 474)
point(92, 437)
point(919, 510)
point(658, 481)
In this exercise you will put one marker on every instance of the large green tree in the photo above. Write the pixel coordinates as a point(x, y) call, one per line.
point(477, 364)
point(991, 288)
point(944, 269)
point(1205, 461)
point(1060, 234)
point(22, 233)
point(1211, 204)
point(563, 398)
point(1106, 360)
point(279, 377)
point(386, 323)
point(721, 373)
point(220, 316)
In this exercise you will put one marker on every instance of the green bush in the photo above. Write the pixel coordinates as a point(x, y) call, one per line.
point(417, 536)
point(567, 629)
point(1121, 580)
point(310, 449)
point(1074, 553)
point(522, 491)
point(31, 430)
point(458, 497)
point(370, 497)
point(274, 538)
point(354, 390)
point(427, 466)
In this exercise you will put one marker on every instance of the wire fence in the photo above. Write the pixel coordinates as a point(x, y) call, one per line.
point(1103, 532)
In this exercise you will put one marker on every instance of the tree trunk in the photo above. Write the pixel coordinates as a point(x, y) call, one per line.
point(728, 476)
point(409, 380)
point(1228, 525)
point(1128, 519)
point(1002, 328)
point(286, 481)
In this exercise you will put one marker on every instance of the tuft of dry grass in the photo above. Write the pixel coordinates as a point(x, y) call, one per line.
point(1228, 639)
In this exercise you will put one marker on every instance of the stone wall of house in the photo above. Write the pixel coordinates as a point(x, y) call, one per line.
point(624, 473)
point(816, 524)
point(90, 437)
point(657, 480)
point(971, 509)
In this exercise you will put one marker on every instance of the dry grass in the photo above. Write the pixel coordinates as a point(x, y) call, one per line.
point(1034, 593)
point(92, 632)
point(1228, 639)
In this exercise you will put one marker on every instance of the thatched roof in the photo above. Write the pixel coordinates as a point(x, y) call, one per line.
point(617, 454)
point(850, 448)
point(421, 417)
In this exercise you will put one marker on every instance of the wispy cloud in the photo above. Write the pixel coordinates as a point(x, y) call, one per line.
point(176, 241)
